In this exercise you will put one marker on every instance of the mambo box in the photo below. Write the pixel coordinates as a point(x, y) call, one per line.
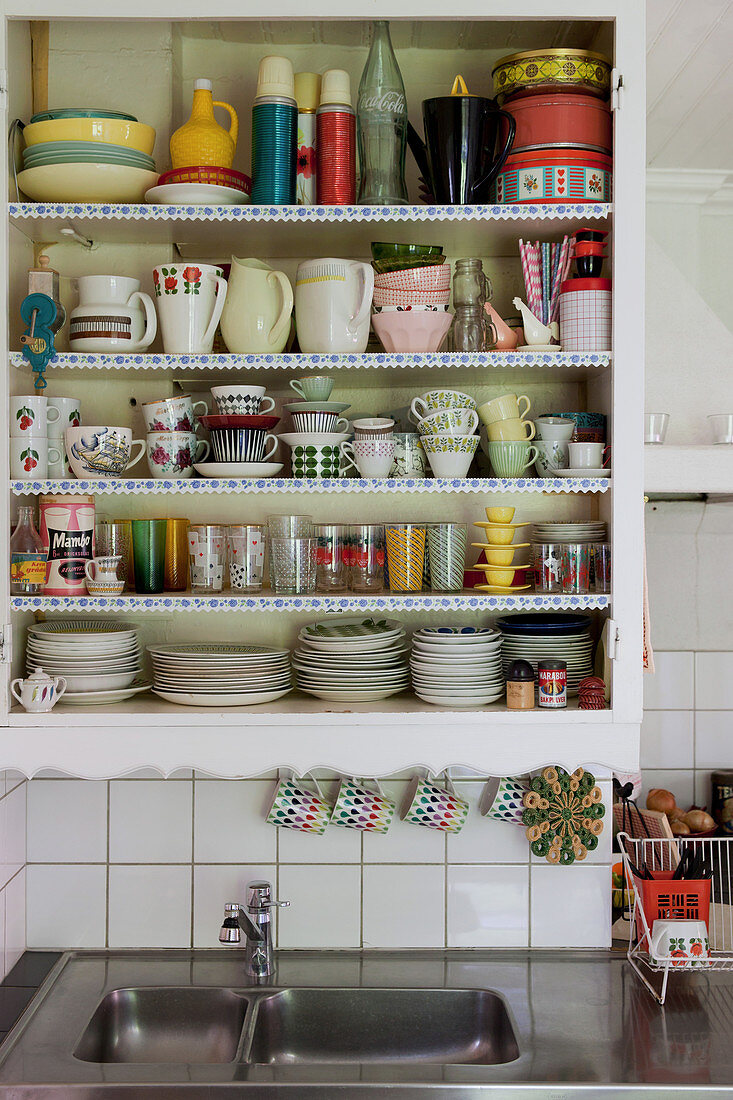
point(67, 533)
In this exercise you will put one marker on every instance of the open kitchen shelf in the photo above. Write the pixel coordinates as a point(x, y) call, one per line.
point(688, 469)
point(279, 231)
point(196, 486)
point(566, 366)
point(468, 600)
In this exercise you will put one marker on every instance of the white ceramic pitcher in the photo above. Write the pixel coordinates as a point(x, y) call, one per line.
point(110, 315)
point(332, 305)
point(190, 299)
point(258, 307)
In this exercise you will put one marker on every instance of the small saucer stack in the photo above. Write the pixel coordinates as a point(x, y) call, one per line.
point(457, 666)
point(592, 694)
point(499, 551)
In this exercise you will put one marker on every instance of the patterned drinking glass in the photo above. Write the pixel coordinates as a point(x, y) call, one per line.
point(365, 557)
point(294, 565)
point(602, 566)
point(547, 562)
point(330, 557)
point(405, 555)
point(207, 549)
point(113, 538)
point(287, 527)
point(575, 567)
point(447, 553)
point(246, 556)
point(176, 555)
point(148, 552)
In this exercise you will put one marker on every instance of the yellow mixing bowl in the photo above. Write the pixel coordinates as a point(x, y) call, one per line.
point(111, 131)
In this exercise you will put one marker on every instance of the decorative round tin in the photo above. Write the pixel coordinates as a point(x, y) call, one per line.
point(554, 176)
point(552, 684)
point(545, 70)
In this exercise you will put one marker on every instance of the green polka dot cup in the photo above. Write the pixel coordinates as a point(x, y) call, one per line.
point(314, 460)
point(503, 799)
point(426, 803)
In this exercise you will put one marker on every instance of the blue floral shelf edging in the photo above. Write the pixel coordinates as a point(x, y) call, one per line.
point(461, 601)
point(191, 486)
point(343, 214)
point(285, 362)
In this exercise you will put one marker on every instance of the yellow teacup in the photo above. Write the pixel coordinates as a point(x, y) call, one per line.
point(511, 431)
point(500, 515)
point(503, 577)
point(500, 555)
point(506, 407)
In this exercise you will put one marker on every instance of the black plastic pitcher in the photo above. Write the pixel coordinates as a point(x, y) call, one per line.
point(460, 158)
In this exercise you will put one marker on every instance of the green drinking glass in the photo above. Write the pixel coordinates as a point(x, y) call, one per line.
point(148, 553)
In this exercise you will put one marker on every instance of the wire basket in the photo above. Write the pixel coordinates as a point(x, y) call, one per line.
point(709, 900)
point(208, 174)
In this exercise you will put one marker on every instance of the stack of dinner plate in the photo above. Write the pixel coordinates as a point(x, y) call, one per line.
point(584, 531)
point(100, 660)
point(216, 674)
point(352, 658)
point(549, 637)
point(455, 666)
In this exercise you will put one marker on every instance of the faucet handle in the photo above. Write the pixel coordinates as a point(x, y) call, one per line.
point(259, 896)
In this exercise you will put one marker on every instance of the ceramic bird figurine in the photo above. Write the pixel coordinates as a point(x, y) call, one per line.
point(534, 331)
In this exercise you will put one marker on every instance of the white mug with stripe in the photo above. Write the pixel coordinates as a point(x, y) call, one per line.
point(333, 300)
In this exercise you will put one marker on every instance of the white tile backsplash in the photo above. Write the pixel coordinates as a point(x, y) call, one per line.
point(404, 906)
point(325, 909)
point(484, 839)
point(150, 821)
point(404, 843)
point(569, 906)
point(67, 821)
point(488, 906)
point(149, 906)
point(681, 783)
point(15, 922)
point(668, 739)
point(714, 738)
point(66, 906)
point(3, 968)
point(229, 823)
point(672, 687)
point(714, 681)
point(12, 833)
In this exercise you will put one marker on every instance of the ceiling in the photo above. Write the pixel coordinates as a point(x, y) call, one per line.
point(690, 84)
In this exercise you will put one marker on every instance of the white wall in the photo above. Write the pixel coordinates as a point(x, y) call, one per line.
point(13, 789)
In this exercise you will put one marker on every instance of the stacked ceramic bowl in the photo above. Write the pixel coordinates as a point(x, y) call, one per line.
point(214, 674)
point(446, 422)
point(457, 666)
point(100, 660)
point(355, 659)
point(87, 156)
point(549, 637)
point(499, 557)
point(320, 429)
point(411, 306)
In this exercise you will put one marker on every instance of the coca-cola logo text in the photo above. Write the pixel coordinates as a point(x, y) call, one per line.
point(389, 102)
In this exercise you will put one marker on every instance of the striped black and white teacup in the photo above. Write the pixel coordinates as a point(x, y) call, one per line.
point(319, 422)
point(243, 444)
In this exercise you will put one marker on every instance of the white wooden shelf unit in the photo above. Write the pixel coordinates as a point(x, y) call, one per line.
point(298, 730)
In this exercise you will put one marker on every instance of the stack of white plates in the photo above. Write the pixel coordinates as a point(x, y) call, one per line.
point(352, 659)
point(457, 666)
point(592, 531)
point(100, 661)
point(549, 638)
point(216, 674)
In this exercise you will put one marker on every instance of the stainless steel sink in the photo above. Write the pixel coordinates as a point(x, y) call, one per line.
point(444, 1026)
point(164, 1025)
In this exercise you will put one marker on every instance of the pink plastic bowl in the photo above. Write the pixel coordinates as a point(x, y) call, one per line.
point(413, 279)
point(411, 331)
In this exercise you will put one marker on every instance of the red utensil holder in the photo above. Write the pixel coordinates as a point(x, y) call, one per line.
point(676, 899)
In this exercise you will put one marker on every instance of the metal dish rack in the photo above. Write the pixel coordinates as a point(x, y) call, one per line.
point(664, 855)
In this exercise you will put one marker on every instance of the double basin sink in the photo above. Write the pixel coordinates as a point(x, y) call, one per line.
point(272, 1026)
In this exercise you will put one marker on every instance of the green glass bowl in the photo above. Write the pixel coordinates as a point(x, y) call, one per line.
point(80, 112)
point(387, 256)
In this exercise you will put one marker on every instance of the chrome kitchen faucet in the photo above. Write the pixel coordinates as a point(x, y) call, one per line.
point(255, 921)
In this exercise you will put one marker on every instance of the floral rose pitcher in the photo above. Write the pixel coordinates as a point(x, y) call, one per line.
point(189, 299)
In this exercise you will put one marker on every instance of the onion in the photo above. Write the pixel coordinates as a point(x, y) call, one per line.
point(660, 800)
point(698, 821)
point(679, 828)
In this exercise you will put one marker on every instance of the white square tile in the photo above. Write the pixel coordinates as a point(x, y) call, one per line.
point(229, 822)
point(668, 739)
point(703, 788)
point(714, 681)
point(484, 839)
point(404, 906)
point(3, 968)
point(149, 821)
point(336, 845)
point(15, 936)
point(680, 783)
point(215, 885)
point(570, 906)
point(325, 906)
point(403, 843)
point(150, 906)
point(488, 906)
point(672, 685)
point(12, 832)
point(67, 821)
point(66, 906)
point(713, 738)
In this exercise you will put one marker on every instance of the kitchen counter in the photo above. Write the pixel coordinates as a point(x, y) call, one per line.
point(584, 1025)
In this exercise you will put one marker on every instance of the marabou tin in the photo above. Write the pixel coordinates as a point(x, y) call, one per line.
point(552, 681)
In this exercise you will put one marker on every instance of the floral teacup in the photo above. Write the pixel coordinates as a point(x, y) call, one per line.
point(173, 414)
point(172, 454)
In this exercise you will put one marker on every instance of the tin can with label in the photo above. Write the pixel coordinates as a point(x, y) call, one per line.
point(552, 682)
point(722, 800)
point(67, 533)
